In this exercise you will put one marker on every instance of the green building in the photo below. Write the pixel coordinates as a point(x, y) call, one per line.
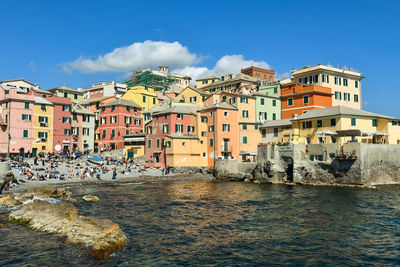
point(268, 103)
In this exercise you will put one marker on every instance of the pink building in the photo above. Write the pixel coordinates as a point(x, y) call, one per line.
point(118, 118)
point(176, 119)
point(16, 127)
point(62, 135)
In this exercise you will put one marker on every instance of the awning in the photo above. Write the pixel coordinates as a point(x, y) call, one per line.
point(380, 134)
point(251, 153)
point(134, 139)
point(326, 132)
point(352, 132)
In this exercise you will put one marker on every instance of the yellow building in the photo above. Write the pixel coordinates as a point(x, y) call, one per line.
point(337, 124)
point(192, 96)
point(144, 96)
point(134, 145)
point(63, 91)
point(206, 81)
point(184, 150)
point(43, 112)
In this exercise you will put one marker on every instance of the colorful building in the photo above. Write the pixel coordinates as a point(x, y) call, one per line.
point(268, 102)
point(144, 96)
point(259, 73)
point(337, 124)
point(345, 84)
point(118, 118)
point(192, 96)
point(104, 89)
point(63, 91)
point(176, 120)
point(16, 114)
point(202, 82)
point(43, 126)
point(299, 98)
point(235, 83)
point(222, 121)
point(82, 129)
point(134, 145)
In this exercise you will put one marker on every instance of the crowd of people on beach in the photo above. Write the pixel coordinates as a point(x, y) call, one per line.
point(51, 166)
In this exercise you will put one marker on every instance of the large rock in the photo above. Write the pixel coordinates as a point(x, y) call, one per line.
point(6, 175)
point(100, 237)
point(9, 201)
point(49, 192)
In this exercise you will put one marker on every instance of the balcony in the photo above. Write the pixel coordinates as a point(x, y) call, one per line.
point(43, 124)
point(226, 149)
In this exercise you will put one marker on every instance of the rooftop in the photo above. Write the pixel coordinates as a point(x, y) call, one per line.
point(276, 123)
point(122, 102)
point(42, 101)
point(182, 136)
point(328, 69)
point(341, 110)
point(179, 109)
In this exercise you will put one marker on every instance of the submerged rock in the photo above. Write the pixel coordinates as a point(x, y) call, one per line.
point(90, 198)
point(101, 237)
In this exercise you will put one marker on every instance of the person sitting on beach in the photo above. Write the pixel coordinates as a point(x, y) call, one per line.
point(114, 175)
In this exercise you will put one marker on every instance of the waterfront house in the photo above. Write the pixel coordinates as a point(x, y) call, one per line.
point(43, 126)
point(268, 102)
point(82, 129)
point(16, 113)
point(134, 145)
point(118, 118)
point(298, 98)
point(344, 83)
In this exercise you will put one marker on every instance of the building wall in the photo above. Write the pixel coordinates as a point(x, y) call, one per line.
point(61, 127)
point(15, 125)
point(139, 150)
point(75, 97)
point(206, 82)
point(139, 93)
point(334, 72)
point(88, 140)
point(39, 144)
point(120, 126)
point(253, 138)
point(268, 108)
point(184, 153)
point(188, 95)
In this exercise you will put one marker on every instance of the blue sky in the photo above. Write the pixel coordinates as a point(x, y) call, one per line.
point(52, 43)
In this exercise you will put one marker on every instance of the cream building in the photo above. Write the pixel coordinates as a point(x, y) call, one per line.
point(345, 84)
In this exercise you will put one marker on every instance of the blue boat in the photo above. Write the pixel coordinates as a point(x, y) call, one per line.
point(95, 160)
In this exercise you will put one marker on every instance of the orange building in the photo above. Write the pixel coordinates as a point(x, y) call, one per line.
point(297, 98)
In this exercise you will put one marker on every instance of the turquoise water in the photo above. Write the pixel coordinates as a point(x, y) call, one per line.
point(217, 223)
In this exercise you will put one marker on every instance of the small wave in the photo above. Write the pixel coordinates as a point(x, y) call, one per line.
point(48, 199)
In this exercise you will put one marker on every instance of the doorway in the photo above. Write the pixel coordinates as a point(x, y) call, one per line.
point(34, 152)
point(22, 152)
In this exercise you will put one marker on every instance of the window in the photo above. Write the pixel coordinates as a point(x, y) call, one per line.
point(158, 143)
point(137, 121)
point(65, 108)
point(262, 101)
point(66, 120)
point(211, 128)
point(307, 124)
point(325, 78)
point(144, 99)
point(374, 123)
point(244, 139)
point(26, 105)
point(356, 84)
point(25, 133)
point(244, 126)
point(262, 116)
point(149, 144)
point(189, 129)
point(113, 119)
point(346, 96)
point(165, 128)
point(244, 99)
point(26, 117)
point(179, 128)
point(203, 134)
point(333, 122)
point(75, 96)
point(112, 108)
point(149, 130)
point(225, 113)
point(74, 117)
point(211, 113)
point(179, 116)
point(104, 120)
point(128, 120)
point(43, 107)
point(345, 82)
point(338, 95)
point(275, 90)
point(245, 114)
point(193, 99)
point(256, 127)
point(273, 116)
point(306, 99)
point(154, 100)
point(353, 122)
point(211, 142)
point(290, 102)
point(276, 132)
point(274, 103)
point(356, 98)
point(264, 133)
point(65, 94)
point(204, 154)
point(226, 127)
point(127, 132)
point(104, 133)
point(319, 123)
point(112, 132)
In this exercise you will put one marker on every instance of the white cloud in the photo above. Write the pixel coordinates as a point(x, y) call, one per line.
point(136, 56)
point(151, 54)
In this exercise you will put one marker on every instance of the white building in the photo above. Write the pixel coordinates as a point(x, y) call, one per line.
point(345, 83)
point(101, 89)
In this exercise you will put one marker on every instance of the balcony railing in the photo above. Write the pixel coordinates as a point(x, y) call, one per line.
point(226, 149)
